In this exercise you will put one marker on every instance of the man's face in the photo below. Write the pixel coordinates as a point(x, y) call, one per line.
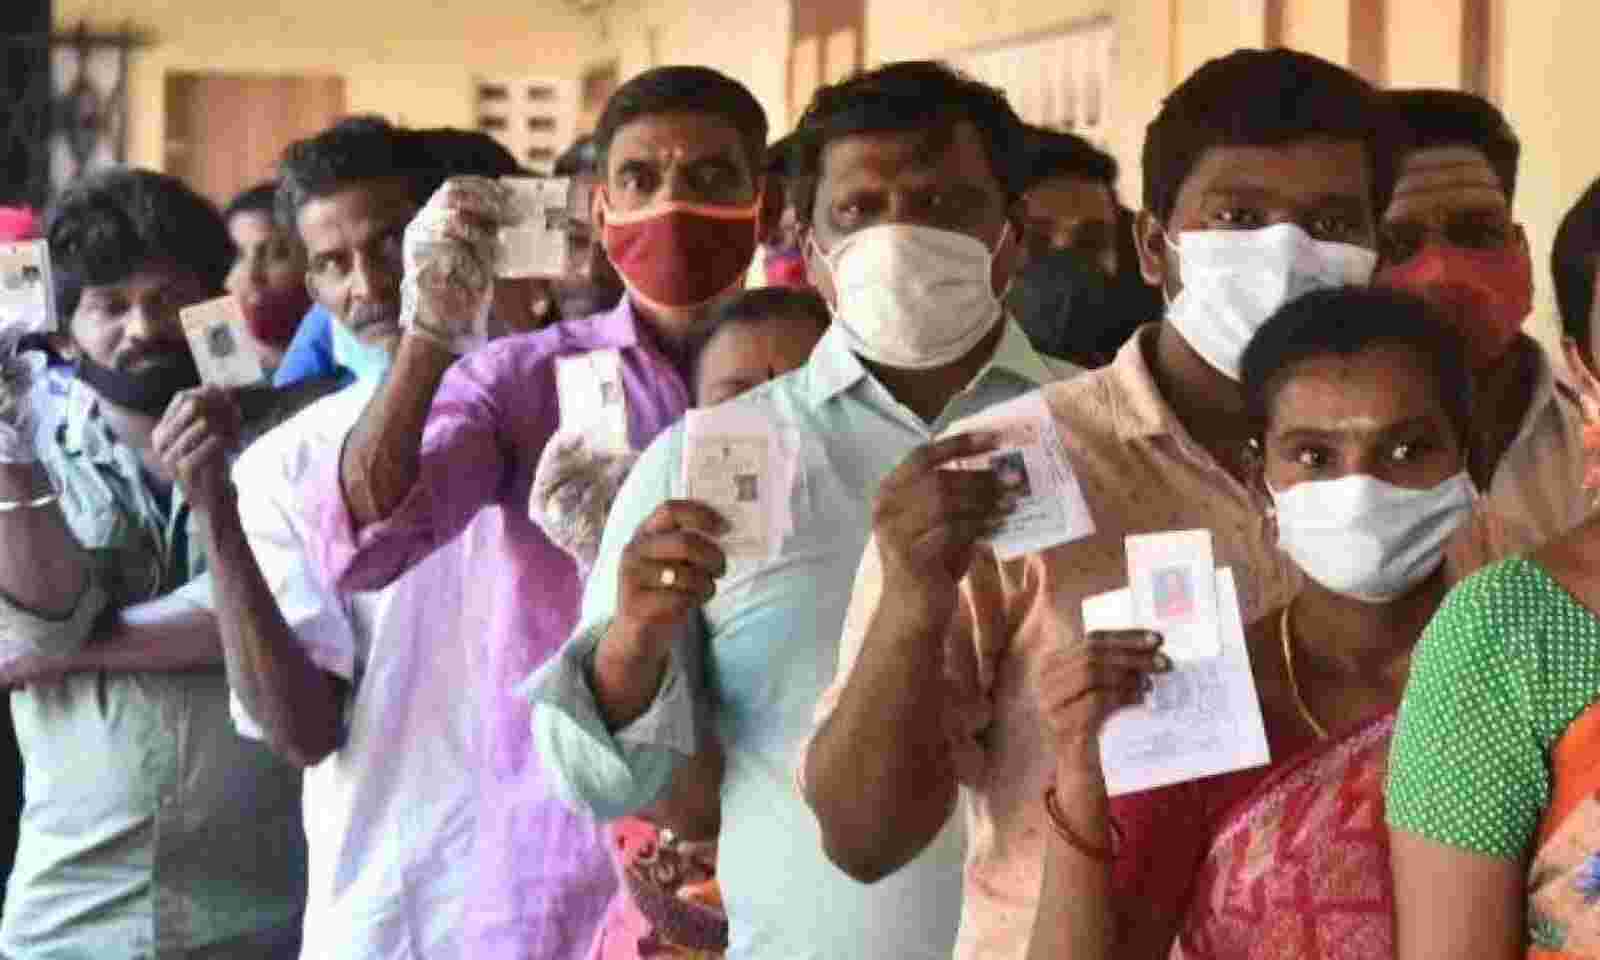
point(132, 326)
point(1072, 213)
point(353, 255)
point(1323, 186)
point(677, 157)
point(944, 182)
point(1447, 196)
point(590, 284)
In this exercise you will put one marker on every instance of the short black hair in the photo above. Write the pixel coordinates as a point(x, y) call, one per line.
point(1051, 154)
point(577, 160)
point(104, 227)
point(261, 198)
point(443, 152)
point(354, 150)
point(1261, 98)
point(1573, 259)
point(1424, 119)
point(1344, 321)
point(780, 156)
point(759, 305)
point(904, 97)
point(680, 89)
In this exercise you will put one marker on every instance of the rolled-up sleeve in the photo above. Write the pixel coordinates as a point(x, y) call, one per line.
point(615, 773)
point(463, 467)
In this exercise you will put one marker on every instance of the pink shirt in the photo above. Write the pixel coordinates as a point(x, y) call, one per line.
point(542, 875)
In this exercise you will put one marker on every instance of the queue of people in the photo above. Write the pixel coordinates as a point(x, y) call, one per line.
point(396, 659)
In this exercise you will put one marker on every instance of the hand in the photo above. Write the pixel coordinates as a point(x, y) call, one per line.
point(573, 488)
point(193, 440)
point(668, 570)
point(1079, 687)
point(21, 378)
point(929, 519)
point(449, 252)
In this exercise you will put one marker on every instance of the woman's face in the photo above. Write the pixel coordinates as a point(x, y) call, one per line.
point(1378, 413)
point(268, 277)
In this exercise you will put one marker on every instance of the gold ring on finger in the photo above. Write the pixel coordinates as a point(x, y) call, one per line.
point(669, 576)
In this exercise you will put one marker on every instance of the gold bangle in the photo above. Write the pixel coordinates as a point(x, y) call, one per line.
point(1058, 821)
point(6, 506)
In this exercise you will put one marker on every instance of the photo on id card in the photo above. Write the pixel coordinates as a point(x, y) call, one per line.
point(1174, 583)
point(728, 474)
point(215, 331)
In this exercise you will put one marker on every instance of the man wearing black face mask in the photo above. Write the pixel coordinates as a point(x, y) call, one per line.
point(149, 829)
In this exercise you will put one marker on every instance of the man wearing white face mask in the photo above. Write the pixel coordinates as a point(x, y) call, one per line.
point(1262, 175)
point(905, 191)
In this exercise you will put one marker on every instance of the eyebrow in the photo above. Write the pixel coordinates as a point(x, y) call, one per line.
point(1309, 433)
point(1268, 196)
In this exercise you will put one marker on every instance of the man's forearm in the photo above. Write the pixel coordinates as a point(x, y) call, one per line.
point(624, 677)
point(167, 635)
point(42, 566)
point(295, 702)
point(879, 773)
point(379, 463)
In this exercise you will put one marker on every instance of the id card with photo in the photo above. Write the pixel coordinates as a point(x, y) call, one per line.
point(536, 243)
point(589, 389)
point(27, 292)
point(215, 330)
point(1173, 579)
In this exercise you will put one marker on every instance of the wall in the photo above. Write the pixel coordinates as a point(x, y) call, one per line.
point(410, 60)
point(746, 39)
point(1546, 82)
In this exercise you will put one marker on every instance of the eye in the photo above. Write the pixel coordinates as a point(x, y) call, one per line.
point(1238, 218)
point(1311, 458)
point(1333, 227)
point(1407, 451)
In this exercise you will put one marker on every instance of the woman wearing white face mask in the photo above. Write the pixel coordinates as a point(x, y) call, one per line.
point(1362, 400)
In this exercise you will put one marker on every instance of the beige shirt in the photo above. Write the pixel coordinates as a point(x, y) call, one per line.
point(1538, 484)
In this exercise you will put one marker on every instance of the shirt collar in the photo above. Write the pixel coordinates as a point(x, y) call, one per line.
point(834, 368)
point(1137, 407)
point(617, 327)
point(84, 432)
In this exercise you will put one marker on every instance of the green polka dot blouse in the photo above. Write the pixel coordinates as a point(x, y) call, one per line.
point(1509, 661)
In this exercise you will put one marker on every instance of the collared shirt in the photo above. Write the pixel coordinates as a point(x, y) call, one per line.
point(1141, 472)
point(389, 815)
point(771, 632)
point(1538, 483)
point(541, 873)
point(149, 828)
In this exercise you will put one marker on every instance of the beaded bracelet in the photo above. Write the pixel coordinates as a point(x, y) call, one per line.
point(1058, 821)
point(6, 506)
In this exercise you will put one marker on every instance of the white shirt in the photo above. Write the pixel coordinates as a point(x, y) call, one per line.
point(389, 815)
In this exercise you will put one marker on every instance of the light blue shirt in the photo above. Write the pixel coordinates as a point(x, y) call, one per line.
point(772, 633)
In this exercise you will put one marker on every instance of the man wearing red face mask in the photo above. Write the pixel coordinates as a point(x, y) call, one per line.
point(680, 149)
point(1449, 236)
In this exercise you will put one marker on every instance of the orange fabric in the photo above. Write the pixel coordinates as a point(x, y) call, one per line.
point(1563, 882)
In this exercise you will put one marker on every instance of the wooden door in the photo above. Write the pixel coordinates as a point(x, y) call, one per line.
point(226, 131)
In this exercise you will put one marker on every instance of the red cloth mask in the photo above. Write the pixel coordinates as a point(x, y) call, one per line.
point(682, 255)
point(1486, 294)
point(785, 267)
point(275, 315)
point(18, 223)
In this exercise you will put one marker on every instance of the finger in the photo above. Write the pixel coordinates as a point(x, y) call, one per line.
point(941, 452)
point(197, 433)
point(192, 462)
point(180, 415)
point(1123, 640)
point(935, 498)
point(682, 547)
point(685, 515)
point(1141, 661)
